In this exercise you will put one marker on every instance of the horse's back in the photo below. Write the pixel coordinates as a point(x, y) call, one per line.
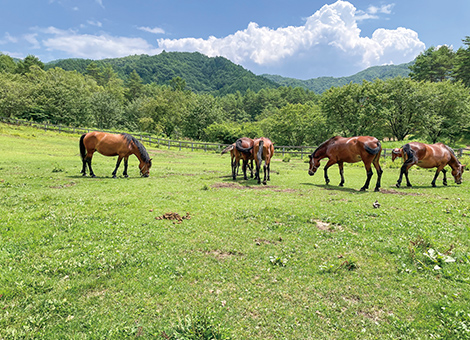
point(107, 144)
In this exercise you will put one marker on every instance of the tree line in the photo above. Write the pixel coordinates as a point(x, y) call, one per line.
point(432, 104)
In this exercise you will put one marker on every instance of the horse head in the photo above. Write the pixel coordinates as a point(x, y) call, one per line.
point(457, 173)
point(397, 152)
point(145, 168)
point(314, 165)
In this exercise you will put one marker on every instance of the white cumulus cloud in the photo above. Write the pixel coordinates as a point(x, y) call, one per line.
point(96, 46)
point(331, 31)
point(154, 30)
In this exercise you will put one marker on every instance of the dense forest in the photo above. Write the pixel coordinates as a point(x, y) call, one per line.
point(431, 103)
point(321, 84)
point(217, 76)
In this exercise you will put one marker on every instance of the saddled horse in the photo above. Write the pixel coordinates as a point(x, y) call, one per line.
point(428, 156)
point(122, 145)
point(350, 150)
point(263, 151)
point(242, 149)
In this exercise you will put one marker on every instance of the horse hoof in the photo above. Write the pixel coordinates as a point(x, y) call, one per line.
point(409, 186)
point(126, 176)
point(397, 185)
point(114, 176)
point(341, 185)
point(264, 182)
point(93, 176)
point(363, 189)
point(377, 190)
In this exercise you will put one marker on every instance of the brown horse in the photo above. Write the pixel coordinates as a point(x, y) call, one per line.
point(107, 144)
point(428, 156)
point(263, 151)
point(350, 150)
point(242, 149)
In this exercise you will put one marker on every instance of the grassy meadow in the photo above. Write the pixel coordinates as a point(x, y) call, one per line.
point(86, 258)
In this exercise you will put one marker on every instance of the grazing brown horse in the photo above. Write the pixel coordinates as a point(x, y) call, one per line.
point(107, 144)
point(428, 156)
point(242, 149)
point(263, 151)
point(350, 150)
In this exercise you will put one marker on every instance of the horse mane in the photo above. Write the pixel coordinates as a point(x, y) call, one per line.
point(323, 145)
point(452, 153)
point(143, 152)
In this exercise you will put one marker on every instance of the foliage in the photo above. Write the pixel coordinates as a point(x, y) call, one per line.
point(322, 84)
point(434, 65)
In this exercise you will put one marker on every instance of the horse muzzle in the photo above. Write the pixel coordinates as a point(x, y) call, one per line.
point(311, 172)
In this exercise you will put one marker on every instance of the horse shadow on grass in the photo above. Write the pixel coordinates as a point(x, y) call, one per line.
point(338, 188)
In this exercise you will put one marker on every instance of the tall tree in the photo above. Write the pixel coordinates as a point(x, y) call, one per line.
point(24, 66)
point(462, 68)
point(134, 86)
point(7, 64)
point(434, 64)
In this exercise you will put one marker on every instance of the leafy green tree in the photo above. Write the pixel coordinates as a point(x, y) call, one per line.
point(62, 97)
point(7, 64)
point(434, 64)
point(203, 110)
point(107, 110)
point(462, 68)
point(347, 110)
point(134, 86)
point(178, 84)
point(447, 110)
point(24, 66)
point(15, 95)
point(296, 124)
point(400, 105)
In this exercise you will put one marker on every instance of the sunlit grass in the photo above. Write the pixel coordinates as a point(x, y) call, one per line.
point(86, 258)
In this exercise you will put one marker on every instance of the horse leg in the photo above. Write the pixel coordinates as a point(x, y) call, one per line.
point(251, 168)
point(88, 160)
point(234, 169)
point(444, 181)
point(325, 170)
point(84, 163)
point(117, 166)
point(369, 176)
point(244, 165)
point(341, 172)
point(126, 162)
point(264, 170)
point(433, 183)
point(379, 172)
point(269, 170)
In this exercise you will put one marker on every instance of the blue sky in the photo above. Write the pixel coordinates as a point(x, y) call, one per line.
point(293, 38)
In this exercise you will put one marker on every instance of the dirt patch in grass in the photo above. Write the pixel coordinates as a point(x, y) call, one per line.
point(394, 192)
point(222, 255)
point(173, 216)
point(327, 226)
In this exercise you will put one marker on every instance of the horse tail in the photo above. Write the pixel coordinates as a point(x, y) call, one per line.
point(373, 151)
point(260, 152)
point(227, 149)
point(82, 147)
point(238, 145)
point(410, 153)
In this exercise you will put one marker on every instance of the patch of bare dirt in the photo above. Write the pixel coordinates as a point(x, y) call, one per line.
point(222, 255)
point(172, 216)
point(327, 226)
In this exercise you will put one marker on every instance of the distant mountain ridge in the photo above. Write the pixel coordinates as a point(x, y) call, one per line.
point(202, 74)
point(321, 84)
point(218, 75)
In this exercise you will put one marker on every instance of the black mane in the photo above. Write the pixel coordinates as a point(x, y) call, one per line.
point(143, 152)
point(323, 144)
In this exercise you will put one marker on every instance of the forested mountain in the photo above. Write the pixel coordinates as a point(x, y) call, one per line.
point(202, 74)
point(321, 84)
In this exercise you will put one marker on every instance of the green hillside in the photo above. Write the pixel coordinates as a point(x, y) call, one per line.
point(202, 74)
point(321, 84)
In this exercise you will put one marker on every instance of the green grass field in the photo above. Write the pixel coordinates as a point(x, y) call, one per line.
point(84, 258)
